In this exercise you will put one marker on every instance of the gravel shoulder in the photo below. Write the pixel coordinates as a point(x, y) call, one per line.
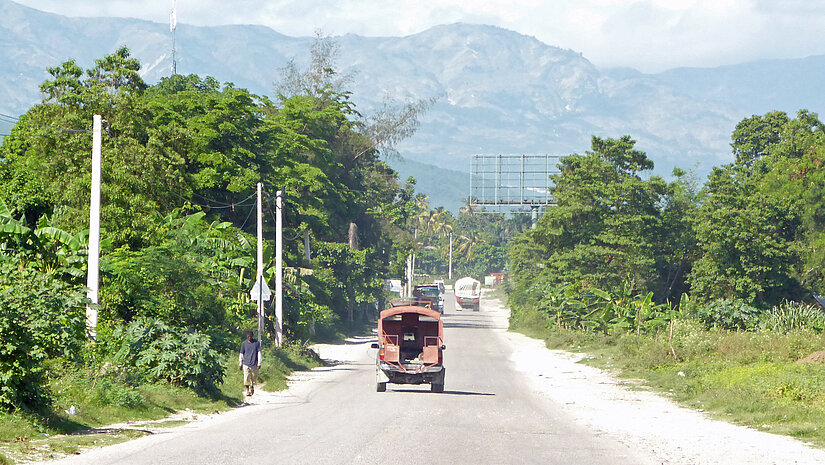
point(647, 421)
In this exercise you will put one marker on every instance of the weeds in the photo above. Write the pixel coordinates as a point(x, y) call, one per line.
point(790, 316)
point(112, 394)
point(747, 377)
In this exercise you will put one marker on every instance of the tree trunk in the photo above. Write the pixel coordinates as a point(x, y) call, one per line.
point(353, 236)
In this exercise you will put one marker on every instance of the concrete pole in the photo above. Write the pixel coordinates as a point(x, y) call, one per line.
point(450, 270)
point(412, 266)
point(92, 275)
point(260, 273)
point(409, 278)
point(279, 270)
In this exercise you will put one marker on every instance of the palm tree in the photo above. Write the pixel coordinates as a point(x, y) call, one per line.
point(466, 243)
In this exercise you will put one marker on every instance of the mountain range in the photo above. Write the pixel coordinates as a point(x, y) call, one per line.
point(497, 91)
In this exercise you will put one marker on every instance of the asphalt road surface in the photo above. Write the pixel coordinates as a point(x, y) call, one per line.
point(487, 414)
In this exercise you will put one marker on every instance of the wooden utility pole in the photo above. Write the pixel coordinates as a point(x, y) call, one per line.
point(92, 274)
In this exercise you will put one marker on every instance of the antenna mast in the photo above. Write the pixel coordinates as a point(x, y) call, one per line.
point(173, 25)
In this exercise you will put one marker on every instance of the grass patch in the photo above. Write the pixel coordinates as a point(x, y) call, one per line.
point(46, 448)
point(107, 396)
point(748, 378)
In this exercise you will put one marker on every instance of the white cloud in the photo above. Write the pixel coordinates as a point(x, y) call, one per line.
point(651, 35)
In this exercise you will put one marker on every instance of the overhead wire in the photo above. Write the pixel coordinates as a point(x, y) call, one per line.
point(247, 219)
point(213, 207)
point(8, 118)
point(225, 205)
point(14, 119)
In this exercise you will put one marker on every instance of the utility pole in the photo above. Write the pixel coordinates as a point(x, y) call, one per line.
point(173, 26)
point(450, 269)
point(260, 290)
point(260, 278)
point(307, 252)
point(279, 272)
point(92, 274)
point(412, 266)
point(409, 276)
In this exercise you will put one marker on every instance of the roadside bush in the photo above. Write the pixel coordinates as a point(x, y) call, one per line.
point(789, 316)
point(728, 314)
point(110, 392)
point(162, 283)
point(164, 353)
point(40, 317)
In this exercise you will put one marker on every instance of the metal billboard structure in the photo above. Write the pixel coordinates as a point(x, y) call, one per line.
point(513, 181)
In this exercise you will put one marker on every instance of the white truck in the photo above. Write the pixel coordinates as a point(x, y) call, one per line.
point(468, 293)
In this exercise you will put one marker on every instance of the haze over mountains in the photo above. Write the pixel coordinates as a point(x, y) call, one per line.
point(499, 91)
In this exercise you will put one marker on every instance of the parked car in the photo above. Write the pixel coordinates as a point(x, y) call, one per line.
point(410, 348)
point(429, 292)
point(468, 293)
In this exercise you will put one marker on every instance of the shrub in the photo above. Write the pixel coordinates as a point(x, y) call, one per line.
point(728, 314)
point(789, 316)
point(40, 317)
point(110, 392)
point(165, 353)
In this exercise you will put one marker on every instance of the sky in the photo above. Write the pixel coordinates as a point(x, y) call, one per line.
point(649, 35)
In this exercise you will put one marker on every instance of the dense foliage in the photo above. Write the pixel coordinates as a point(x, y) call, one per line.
point(40, 317)
point(167, 353)
point(181, 160)
point(747, 246)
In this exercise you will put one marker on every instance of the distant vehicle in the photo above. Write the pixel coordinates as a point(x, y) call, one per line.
point(412, 301)
point(468, 293)
point(410, 346)
point(441, 287)
point(429, 292)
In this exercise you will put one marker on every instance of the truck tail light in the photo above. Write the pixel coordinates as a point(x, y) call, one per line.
point(381, 354)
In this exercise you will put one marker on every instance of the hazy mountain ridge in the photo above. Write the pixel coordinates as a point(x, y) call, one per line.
point(499, 91)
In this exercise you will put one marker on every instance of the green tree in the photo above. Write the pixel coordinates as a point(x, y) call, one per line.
point(602, 232)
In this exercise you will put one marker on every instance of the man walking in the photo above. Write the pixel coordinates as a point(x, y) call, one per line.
point(250, 361)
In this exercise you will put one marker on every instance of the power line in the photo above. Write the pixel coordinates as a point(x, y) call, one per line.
point(13, 119)
point(224, 205)
point(212, 207)
point(247, 218)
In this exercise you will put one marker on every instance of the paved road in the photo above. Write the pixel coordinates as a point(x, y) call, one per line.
point(487, 415)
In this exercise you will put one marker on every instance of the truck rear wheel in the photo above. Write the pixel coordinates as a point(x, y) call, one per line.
point(381, 387)
point(436, 388)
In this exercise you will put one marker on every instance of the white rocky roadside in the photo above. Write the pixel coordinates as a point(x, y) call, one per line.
point(644, 420)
